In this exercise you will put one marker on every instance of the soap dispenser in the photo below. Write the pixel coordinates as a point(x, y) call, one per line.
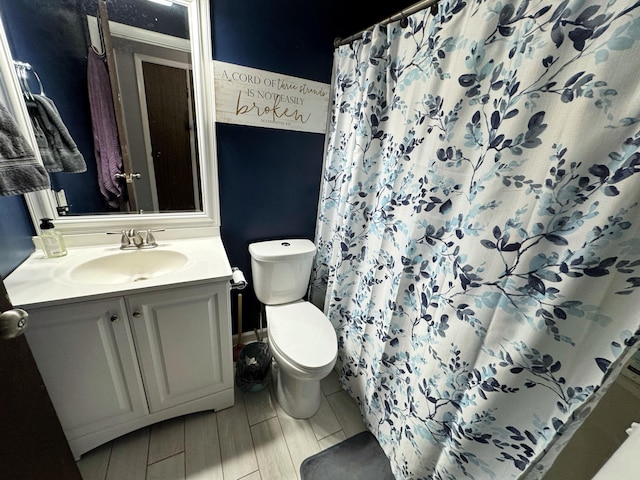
point(52, 241)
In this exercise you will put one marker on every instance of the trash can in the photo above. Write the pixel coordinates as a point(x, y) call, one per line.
point(252, 367)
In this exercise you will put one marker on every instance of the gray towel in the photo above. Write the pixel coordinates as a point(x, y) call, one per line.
point(65, 153)
point(20, 171)
point(51, 164)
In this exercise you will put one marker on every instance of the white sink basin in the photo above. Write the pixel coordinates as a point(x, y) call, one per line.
point(127, 267)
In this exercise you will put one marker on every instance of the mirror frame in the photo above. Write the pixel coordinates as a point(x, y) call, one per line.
point(41, 204)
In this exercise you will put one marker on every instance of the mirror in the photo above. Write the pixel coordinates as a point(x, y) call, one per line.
point(170, 174)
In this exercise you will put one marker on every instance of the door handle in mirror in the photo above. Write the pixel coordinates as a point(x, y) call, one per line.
point(128, 177)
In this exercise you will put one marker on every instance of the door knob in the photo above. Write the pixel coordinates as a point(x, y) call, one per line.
point(115, 317)
point(137, 314)
point(12, 323)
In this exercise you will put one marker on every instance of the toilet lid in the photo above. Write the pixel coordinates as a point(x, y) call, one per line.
point(302, 333)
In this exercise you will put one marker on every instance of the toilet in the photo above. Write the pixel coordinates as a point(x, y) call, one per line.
point(301, 338)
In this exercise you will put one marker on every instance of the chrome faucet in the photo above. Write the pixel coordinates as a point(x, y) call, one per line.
point(134, 239)
point(131, 238)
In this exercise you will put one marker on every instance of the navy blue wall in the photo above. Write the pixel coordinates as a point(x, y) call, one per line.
point(15, 233)
point(269, 179)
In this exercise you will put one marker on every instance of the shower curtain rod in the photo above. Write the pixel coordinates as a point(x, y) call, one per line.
point(401, 14)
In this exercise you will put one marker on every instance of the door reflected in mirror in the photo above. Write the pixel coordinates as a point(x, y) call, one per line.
point(150, 164)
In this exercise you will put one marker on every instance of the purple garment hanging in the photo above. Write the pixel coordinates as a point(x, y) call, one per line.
point(105, 131)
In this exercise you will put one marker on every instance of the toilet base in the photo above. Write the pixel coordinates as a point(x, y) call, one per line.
point(298, 398)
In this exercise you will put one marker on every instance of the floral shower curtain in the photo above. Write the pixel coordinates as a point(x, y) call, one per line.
point(478, 240)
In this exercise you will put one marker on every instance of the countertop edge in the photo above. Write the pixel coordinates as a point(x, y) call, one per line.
point(120, 293)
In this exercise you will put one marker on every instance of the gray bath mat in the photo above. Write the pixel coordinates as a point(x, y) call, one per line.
point(356, 458)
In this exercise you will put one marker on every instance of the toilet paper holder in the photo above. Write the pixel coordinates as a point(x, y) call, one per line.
point(238, 282)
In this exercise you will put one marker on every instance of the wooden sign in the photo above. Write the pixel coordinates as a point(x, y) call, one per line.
point(247, 96)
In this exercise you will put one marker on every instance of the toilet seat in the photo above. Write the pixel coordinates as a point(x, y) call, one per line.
point(302, 334)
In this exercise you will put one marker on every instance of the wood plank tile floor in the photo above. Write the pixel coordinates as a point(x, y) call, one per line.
point(253, 440)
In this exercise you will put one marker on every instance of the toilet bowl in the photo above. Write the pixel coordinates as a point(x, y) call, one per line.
point(303, 344)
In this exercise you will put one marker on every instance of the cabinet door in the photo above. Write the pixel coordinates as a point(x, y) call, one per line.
point(87, 360)
point(183, 340)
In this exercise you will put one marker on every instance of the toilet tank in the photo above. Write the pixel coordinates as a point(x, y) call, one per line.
point(281, 269)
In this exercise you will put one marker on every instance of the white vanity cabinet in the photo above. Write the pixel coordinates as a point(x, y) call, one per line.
point(117, 364)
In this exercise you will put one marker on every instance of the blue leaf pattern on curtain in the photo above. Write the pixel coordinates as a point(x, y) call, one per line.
point(478, 243)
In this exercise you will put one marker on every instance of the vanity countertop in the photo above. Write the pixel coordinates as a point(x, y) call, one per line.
point(42, 282)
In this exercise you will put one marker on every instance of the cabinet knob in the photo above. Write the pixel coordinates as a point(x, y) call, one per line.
point(115, 317)
point(137, 314)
